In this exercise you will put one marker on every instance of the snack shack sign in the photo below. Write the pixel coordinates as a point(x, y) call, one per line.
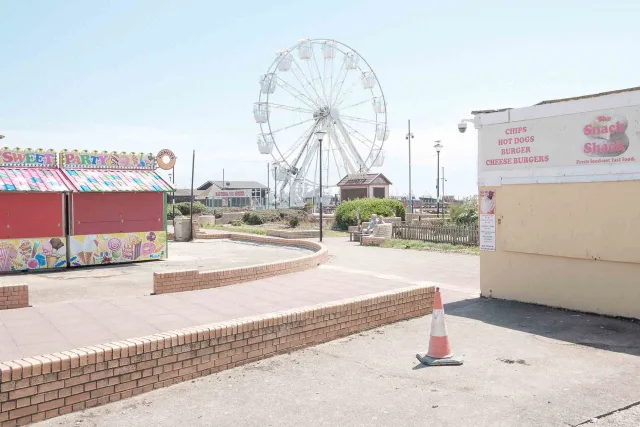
point(608, 137)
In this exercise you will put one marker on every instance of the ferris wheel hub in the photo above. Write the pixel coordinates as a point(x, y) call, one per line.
point(326, 112)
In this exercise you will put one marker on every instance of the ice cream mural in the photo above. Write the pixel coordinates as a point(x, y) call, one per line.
point(32, 254)
point(96, 249)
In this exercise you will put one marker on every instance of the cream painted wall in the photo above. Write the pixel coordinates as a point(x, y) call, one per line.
point(574, 246)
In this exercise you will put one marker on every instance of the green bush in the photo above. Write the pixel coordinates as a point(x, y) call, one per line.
point(170, 215)
point(294, 221)
point(465, 213)
point(185, 208)
point(271, 215)
point(347, 211)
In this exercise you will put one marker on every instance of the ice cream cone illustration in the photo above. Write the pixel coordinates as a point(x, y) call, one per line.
point(88, 249)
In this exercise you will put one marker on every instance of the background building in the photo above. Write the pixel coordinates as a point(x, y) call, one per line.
point(371, 185)
point(241, 194)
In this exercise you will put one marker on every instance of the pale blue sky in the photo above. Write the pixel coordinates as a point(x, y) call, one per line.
point(145, 75)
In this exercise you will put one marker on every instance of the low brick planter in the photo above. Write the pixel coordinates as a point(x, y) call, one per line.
point(37, 388)
point(14, 296)
point(294, 234)
point(191, 280)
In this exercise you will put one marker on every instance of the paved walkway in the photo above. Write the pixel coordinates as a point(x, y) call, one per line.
point(47, 328)
point(524, 366)
point(136, 279)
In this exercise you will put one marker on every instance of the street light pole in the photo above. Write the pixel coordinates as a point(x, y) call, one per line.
point(320, 135)
point(409, 137)
point(438, 147)
point(444, 210)
point(275, 186)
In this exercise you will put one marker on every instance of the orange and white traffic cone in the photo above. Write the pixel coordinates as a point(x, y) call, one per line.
point(440, 352)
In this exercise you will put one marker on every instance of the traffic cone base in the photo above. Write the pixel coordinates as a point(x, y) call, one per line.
point(430, 361)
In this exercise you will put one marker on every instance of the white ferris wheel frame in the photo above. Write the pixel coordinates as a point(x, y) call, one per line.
point(293, 167)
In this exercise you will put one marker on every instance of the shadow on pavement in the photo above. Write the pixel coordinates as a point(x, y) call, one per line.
point(605, 333)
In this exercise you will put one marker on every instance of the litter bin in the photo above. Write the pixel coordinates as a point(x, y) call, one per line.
point(182, 229)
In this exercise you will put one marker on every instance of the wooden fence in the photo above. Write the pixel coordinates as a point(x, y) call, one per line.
point(456, 235)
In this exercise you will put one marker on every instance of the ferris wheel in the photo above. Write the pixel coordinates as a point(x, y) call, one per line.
point(320, 85)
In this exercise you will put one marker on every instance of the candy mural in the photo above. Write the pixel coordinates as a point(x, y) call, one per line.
point(116, 248)
point(32, 254)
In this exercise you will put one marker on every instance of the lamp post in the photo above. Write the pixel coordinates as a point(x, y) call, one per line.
point(409, 137)
point(320, 136)
point(438, 147)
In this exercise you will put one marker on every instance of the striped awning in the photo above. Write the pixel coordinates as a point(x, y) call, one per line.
point(107, 180)
point(32, 180)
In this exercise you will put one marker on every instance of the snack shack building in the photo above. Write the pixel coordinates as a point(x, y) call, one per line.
point(559, 186)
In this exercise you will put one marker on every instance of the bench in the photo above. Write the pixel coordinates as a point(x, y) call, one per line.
point(381, 232)
point(355, 231)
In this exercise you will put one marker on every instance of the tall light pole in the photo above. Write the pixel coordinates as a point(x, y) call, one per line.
point(444, 206)
point(438, 147)
point(275, 186)
point(409, 137)
point(320, 136)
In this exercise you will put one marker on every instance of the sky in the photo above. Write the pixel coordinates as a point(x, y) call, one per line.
point(146, 75)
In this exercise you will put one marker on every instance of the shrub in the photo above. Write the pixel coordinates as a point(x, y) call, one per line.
point(465, 213)
point(347, 211)
point(271, 215)
point(294, 221)
point(236, 222)
point(185, 208)
point(169, 212)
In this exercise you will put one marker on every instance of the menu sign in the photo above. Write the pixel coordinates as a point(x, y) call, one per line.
point(487, 220)
point(592, 138)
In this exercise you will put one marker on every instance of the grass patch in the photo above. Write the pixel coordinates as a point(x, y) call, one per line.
point(430, 246)
point(262, 230)
point(334, 233)
point(240, 229)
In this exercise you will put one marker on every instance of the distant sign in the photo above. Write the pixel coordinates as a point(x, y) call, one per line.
point(27, 158)
point(231, 193)
point(96, 160)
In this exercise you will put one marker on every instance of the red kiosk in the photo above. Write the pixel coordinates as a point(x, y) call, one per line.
point(116, 208)
point(32, 211)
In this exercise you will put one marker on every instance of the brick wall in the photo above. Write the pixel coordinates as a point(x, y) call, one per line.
point(41, 387)
point(14, 296)
point(190, 280)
